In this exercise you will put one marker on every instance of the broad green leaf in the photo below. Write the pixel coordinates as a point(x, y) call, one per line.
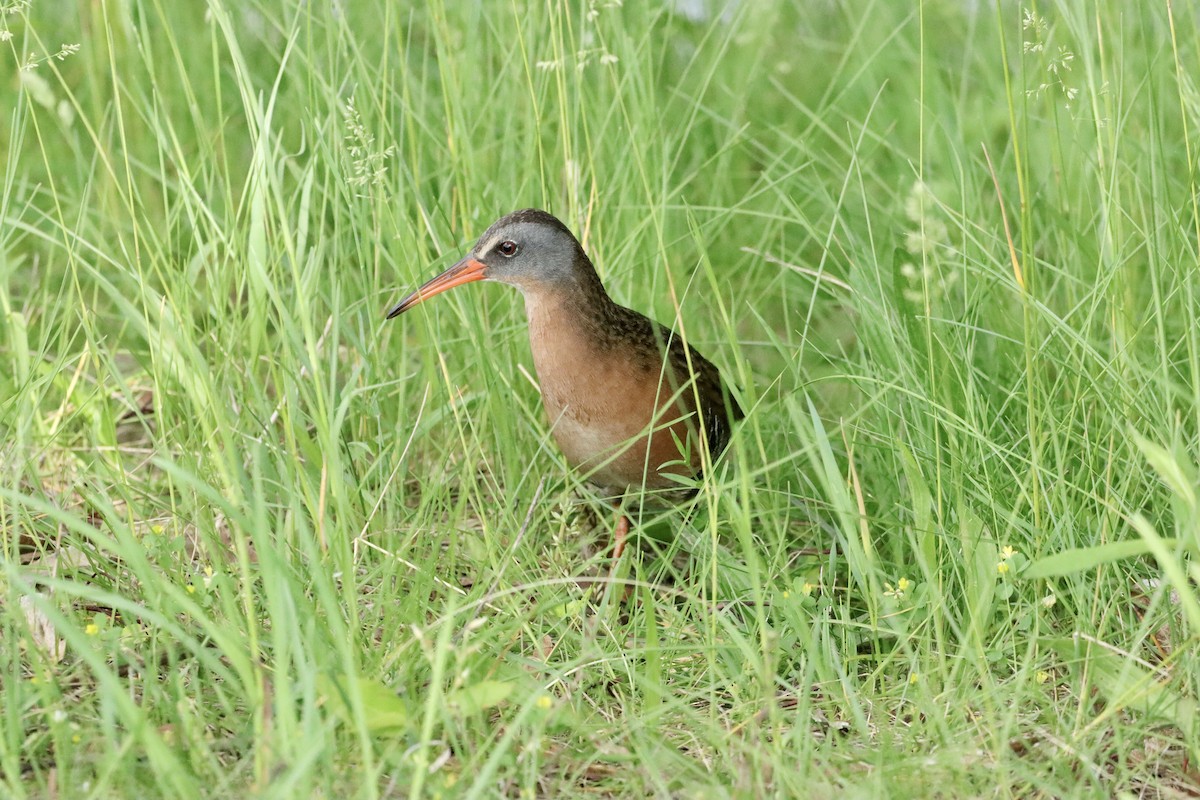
point(384, 712)
point(480, 696)
point(1079, 559)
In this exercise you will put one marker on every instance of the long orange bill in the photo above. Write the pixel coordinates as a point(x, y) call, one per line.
point(465, 271)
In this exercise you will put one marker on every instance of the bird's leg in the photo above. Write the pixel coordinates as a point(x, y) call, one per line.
point(620, 534)
point(616, 574)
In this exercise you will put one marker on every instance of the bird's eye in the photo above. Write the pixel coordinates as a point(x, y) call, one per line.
point(507, 249)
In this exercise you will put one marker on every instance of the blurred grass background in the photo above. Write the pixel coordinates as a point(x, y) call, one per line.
point(259, 542)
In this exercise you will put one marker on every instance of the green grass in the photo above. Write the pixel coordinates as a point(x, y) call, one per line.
point(259, 542)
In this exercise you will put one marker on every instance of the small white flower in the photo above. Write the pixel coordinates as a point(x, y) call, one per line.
point(548, 66)
point(608, 59)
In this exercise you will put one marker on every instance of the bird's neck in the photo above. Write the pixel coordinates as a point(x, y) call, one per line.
point(578, 299)
point(579, 312)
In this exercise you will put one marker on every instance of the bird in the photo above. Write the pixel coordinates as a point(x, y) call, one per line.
point(629, 403)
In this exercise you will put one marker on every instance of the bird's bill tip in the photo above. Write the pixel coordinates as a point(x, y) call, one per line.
point(465, 271)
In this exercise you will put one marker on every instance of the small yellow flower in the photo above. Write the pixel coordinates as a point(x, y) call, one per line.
point(786, 594)
point(897, 592)
point(76, 739)
point(157, 529)
point(1007, 552)
point(92, 629)
point(1002, 568)
point(545, 702)
point(808, 588)
point(914, 678)
point(1042, 676)
point(191, 588)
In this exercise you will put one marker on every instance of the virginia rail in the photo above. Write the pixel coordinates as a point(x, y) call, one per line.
point(622, 392)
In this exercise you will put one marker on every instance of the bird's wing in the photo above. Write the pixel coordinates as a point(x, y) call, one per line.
point(718, 408)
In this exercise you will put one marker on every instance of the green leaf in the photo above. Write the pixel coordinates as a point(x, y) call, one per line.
point(979, 551)
point(571, 609)
point(384, 712)
point(1079, 559)
point(480, 696)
